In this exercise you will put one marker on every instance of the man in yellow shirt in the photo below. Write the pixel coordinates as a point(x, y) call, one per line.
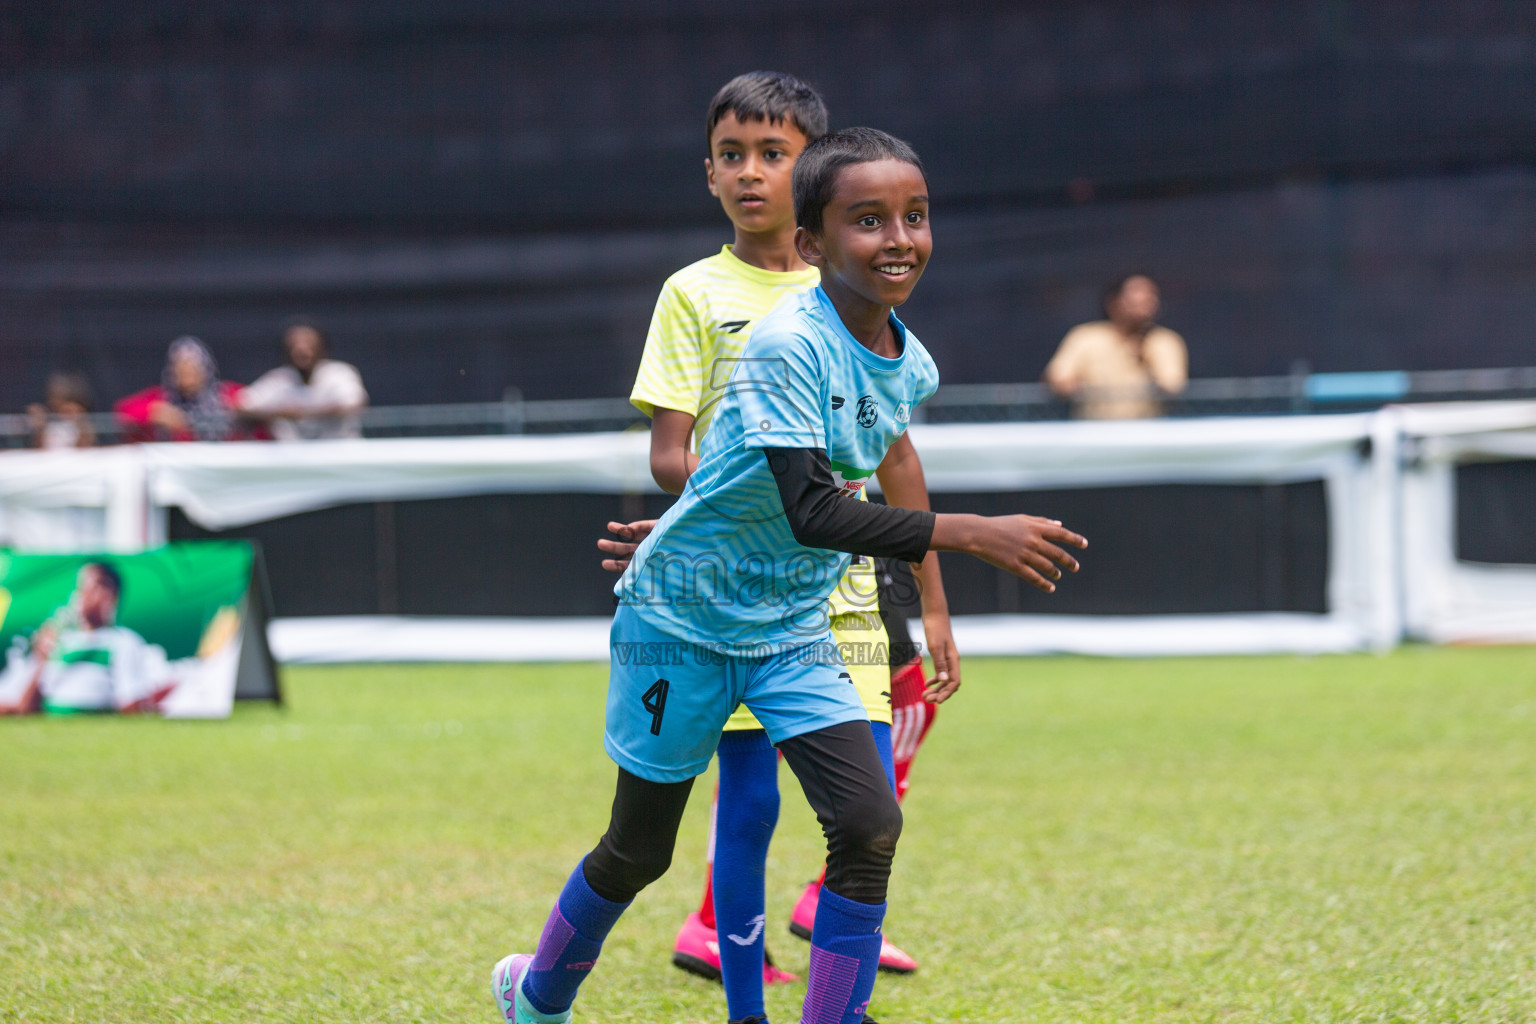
point(757, 125)
point(1120, 367)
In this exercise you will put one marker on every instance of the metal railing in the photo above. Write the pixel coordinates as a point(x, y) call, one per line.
point(512, 415)
point(1297, 392)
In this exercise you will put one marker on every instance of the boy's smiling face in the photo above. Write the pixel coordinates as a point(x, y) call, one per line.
point(750, 166)
point(874, 241)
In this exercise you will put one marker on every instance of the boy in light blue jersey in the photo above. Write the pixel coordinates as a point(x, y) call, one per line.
point(756, 125)
point(709, 573)
point(725, 602)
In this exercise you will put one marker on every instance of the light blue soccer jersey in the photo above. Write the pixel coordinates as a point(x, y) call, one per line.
point(722, 567)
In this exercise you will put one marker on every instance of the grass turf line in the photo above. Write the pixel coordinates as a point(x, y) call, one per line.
point(1255, 839)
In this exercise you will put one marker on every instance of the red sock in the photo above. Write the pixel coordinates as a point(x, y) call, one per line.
point(911, 718)
point(707, 908)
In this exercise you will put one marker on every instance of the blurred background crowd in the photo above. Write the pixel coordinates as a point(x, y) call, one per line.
point(478, 202)
point(309, 396)
point(1119, 367)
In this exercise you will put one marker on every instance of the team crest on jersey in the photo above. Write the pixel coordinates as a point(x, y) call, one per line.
point(903, 412)
point(869, 411)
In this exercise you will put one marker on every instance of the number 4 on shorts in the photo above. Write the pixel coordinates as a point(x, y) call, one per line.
point(655, 703)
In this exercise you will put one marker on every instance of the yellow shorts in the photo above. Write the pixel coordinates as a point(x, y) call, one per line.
point(860, 636)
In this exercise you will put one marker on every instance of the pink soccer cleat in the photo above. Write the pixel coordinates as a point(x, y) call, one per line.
point(893, 958)
point(773, 975)
point(802, 920)
point(697, 951)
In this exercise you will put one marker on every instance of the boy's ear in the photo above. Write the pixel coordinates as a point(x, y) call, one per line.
point(808, 246)
point(709, 175)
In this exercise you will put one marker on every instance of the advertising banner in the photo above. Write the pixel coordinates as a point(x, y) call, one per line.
point(178, 631)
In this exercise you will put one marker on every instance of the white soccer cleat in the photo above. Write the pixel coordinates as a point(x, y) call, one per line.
point(507, 990)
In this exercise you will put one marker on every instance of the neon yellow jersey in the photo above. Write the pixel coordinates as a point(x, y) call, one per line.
point(704, 316)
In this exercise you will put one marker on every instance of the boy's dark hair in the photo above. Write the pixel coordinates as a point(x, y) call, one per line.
point(816, 170)
point(1113, 289)
point(109, 577)
point(768, 96)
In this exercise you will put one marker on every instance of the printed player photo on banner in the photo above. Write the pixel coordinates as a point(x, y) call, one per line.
point(177, 631)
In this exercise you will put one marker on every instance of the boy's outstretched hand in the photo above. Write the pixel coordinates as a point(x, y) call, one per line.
point(946, 659)
point(630, 535)
point(1027, 546)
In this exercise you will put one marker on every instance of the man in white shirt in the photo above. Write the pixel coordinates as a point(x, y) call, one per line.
point(312, 397)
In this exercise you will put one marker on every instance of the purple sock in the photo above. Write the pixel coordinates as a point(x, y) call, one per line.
point(573, 937)
point(845, 953)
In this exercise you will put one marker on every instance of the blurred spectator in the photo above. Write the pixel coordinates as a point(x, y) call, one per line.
point(64, 420)
point(311, 397)
point(1118, 368)
point(189, 404)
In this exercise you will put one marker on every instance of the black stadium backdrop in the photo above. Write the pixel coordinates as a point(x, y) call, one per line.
point(472, 195)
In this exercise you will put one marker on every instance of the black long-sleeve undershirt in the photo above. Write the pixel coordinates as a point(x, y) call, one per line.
point(821, 517)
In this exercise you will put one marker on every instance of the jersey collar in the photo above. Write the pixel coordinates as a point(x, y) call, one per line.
point(769, 277)
point(870, 359)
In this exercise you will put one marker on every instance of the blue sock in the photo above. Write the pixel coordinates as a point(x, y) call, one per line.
point(744, 821)
point(882, 731)
point(573, 937)
point(845, 953)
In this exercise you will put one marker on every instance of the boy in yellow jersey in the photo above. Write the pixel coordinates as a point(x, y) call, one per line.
point(757, 125)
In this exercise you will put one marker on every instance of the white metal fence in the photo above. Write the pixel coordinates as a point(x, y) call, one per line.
point(1389, 477)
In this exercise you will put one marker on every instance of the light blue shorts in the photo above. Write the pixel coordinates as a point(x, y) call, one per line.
point(668, 699)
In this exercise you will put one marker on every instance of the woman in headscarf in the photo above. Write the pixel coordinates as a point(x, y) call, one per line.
point(190, 403)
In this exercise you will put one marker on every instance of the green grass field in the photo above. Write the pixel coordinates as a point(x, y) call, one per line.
point(1264, 839)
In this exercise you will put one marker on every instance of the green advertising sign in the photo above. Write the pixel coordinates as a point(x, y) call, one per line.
point(164, 631)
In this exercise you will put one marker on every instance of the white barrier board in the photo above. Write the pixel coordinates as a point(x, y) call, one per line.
point(1389, 479)
point(387, 638)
